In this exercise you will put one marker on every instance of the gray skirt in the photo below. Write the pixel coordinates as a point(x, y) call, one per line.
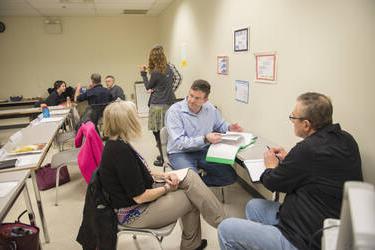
point(156, 116)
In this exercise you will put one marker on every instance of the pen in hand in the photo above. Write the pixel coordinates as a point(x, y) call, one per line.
point(275, 154)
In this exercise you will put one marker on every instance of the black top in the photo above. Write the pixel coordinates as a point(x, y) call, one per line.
point(54, 99)
point(96, 95)
point(312, 175)
point(162, 86)
point(117, 92)
point(123, 173)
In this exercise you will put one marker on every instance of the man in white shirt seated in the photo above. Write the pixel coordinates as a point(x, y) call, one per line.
point(193, 124)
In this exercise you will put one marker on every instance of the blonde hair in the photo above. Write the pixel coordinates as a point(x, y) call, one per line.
point(157, 60)
point(121, 120)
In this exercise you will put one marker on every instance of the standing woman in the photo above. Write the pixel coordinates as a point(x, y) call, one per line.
point(162, 96)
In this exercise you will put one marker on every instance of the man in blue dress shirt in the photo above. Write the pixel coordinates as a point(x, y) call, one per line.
point(193, 124)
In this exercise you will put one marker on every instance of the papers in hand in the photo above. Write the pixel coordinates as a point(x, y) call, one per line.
point(181, 173)
point(255, 168)
point(225, 151)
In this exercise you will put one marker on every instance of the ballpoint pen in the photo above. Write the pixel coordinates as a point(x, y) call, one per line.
point(275, 154)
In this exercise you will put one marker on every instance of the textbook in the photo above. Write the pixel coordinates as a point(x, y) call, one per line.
point(255, 168)
point(225, 151)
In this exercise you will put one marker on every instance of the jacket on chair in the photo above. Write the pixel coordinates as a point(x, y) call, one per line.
point(98, 229)
point(91, 152)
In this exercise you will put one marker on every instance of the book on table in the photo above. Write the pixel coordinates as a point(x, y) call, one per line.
point(225, 151)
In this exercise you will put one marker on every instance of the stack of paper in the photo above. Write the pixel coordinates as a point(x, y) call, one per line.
point(255, 168)
point(225, 152)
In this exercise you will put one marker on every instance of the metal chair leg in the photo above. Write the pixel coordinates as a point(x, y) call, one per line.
point(57, 183)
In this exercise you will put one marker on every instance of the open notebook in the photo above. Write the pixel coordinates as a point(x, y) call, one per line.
point(225, 151)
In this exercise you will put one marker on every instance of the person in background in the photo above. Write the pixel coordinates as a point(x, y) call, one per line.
point(97, 96)
point(193, 124)
point(138, 200)
point(116, 91)
point(56, 96)
point(312, 174)
point(162, 96)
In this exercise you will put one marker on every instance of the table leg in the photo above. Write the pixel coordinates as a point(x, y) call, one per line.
point(30, 211)
point(28, 205)
point(40, 207)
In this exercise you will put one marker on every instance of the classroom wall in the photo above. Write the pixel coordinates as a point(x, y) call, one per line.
point(323, 46)
point(31, 60)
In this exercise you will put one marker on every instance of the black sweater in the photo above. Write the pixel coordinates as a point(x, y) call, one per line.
point(312, 175)
point(123, 174)
point(162, 86)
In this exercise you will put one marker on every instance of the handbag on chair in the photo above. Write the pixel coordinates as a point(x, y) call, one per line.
point(19, 236)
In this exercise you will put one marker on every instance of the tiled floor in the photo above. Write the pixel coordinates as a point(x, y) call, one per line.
point(64, 220)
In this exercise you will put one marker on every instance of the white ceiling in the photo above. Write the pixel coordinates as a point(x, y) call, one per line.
point(49, 8)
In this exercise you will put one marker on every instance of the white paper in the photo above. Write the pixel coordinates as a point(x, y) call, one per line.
point(244, 138)
point(255, 168)
point(6, 187)
point(242, 91)
point(181, 173)
point(26, 160)
point(59, 112)
point(222, 151)
point(51, 119)
point(230, 137)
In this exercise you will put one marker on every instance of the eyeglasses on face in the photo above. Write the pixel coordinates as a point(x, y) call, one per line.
point(291, 117)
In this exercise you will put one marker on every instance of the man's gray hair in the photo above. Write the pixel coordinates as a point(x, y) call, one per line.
point(317, 108)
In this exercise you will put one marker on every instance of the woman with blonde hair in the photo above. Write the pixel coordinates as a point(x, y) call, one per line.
point(162, 95)
point(137, 199)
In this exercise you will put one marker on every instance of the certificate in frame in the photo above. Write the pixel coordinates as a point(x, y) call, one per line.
point(241, 40)
point(222, 65)
point(266, 67)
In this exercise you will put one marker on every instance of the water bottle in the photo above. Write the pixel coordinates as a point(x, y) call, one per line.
point(45, 112)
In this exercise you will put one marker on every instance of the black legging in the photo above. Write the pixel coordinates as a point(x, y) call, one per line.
point(158, 143)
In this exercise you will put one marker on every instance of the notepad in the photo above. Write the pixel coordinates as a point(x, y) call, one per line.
point(255, 168)
point(225, 152)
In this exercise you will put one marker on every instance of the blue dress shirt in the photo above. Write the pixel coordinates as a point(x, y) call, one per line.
point(186, 130)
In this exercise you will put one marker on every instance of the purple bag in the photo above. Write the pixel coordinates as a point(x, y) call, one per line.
point(19, 236)
point(46, 177)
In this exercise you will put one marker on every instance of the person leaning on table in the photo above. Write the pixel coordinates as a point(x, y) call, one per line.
point(312, 175)
point(126, 177)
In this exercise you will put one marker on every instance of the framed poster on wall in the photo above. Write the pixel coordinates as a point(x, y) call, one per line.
point(241, 40)
point(266, 67)
point(242, 91)
point(222, 65)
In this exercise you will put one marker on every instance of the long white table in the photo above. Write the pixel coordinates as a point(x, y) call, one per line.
point(7, 201)
point(35, 133)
